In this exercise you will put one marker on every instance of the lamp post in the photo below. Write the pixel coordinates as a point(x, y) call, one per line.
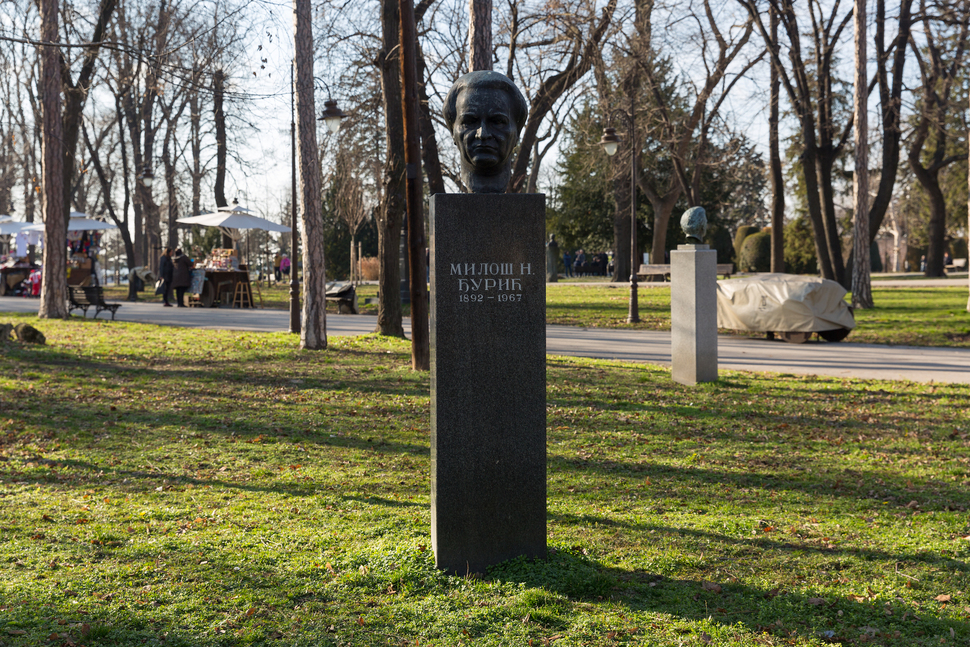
point(611, 144)
point(332, 115)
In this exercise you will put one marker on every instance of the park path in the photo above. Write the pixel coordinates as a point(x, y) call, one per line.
point(844, 359)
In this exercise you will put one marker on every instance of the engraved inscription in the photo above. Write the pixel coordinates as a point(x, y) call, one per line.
point(482, 282)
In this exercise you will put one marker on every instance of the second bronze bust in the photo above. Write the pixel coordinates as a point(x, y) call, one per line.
point(485, 112)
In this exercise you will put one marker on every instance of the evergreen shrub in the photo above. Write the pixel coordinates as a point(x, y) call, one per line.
point(756, 253)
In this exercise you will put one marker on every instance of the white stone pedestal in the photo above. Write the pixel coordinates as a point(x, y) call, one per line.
point(693, 314)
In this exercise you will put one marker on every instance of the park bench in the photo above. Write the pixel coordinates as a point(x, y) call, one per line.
point(82, 298)
point(723, 269)
point(345, 296)
point(957, 264)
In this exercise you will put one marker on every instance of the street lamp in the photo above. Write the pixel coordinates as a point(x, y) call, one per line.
point(331, 117)
point(611, 144)
point(146, 177)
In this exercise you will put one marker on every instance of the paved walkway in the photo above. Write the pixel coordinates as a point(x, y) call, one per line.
point(844, 359)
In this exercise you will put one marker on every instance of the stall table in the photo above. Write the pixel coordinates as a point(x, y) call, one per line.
point(223, 282)
point(11, 278)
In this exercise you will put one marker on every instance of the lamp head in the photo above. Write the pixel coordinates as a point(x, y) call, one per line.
point(331, 115)
point(610, 141)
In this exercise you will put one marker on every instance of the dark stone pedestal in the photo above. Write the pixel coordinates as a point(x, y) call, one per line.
point(488, 379)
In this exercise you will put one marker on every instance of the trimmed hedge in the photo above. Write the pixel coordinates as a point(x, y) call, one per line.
point(756, 253)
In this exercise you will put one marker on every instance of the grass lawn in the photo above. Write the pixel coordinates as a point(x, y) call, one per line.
point(166, 486)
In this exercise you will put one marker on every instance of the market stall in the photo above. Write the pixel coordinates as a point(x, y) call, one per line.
point(16, 269)
point(83, 247)
point(219, 280)
point(223, 281)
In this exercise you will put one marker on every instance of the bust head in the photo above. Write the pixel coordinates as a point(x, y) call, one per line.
point(485, 112)
point(694, 224)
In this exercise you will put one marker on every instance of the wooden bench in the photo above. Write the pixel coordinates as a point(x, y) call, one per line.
point(723, 269)
point(82, 298)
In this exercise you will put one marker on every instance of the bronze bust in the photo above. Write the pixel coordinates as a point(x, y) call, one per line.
point(694, 224)
point(485, 112)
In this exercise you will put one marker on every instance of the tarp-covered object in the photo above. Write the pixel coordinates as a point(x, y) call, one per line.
point(782, 303)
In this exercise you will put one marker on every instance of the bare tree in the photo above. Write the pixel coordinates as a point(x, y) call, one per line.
point(313, 328)
point(52, 302)
point(479, 35)
point(577, 34)
point(678, 133)
point(861, 280)
point(808, 80)
point(930, 150)
point(774, 161)
point(351, 206)
point(390, 213)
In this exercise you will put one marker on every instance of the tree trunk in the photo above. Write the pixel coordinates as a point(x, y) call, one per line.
point(429, 144)
point(774, 163)
point(830, 227)
point(219, 114)
point(313, 330)
point(390, 213)
point(936, 234)
point(195, 136)
point(861, 280)
point(417, 247)
point(479, 35)
point(53, 297)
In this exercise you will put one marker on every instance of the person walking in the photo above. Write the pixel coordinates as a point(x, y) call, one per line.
point(165, 271)
point(276, 267)
point(285, 266)
point(181, 276)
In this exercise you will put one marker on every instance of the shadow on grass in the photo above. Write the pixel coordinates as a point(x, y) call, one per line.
point(95, 475)
point(763, 543)
point(880, 486)
point(784, 614)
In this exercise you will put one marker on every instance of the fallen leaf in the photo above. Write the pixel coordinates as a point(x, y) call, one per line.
point(360, 621)
point(943, 597)
point(706, 638)
point(16, 632)
point(816, 601)
point(250, 611)
point(711, 586)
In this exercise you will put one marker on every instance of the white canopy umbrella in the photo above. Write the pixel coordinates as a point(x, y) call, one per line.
point(74, 224)
point(230, 221)
point(13, 227)
point(4, 217)
point(80, 222)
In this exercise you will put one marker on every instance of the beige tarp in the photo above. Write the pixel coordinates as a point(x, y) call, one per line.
point(782, 303)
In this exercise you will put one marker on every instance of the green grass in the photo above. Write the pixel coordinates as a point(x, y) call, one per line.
point(182, 487)
point(902, 316)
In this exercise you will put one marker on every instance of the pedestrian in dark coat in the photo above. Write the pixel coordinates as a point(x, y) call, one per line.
point(165, 270)
point(181, 276)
